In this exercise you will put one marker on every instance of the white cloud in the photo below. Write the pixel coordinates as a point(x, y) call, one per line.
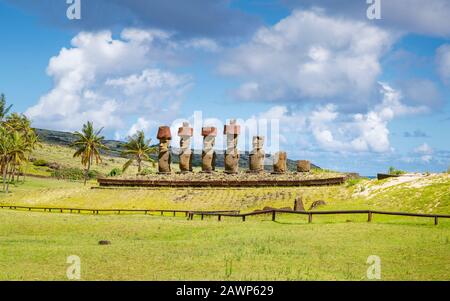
point(443, 62)
point(334, 131)
point(309, 55)
point(108, 80)
point(203, 44)
point(141, 125)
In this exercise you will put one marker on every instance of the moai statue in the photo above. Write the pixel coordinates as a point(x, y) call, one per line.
point(186, 155)
point(303, 166)
point(209, 155)
point(164, 158)
point(280, 165)
point(232, 132)
point(257, 155)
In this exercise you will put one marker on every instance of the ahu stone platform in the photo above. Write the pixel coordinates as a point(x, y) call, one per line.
point(219, 179)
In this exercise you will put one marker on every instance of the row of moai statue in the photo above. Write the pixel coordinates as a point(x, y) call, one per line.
point(232, 131)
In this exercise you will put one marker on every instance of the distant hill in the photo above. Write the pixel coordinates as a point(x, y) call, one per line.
point(116, 147)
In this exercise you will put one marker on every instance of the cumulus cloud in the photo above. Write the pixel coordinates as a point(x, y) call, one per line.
point(443, 62)
point(108, 80)
point(309, 55)
point(425, 152)
point(334, 131)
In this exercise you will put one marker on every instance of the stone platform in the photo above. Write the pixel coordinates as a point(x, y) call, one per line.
point(219, 179)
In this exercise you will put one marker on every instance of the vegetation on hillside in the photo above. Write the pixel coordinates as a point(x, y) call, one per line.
point(17, 142)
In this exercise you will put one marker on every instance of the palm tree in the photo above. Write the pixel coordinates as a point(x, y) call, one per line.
point(17, 155)
point(138, 149)
point(21, 124)
point(5, 158)
point(89, 143)
point(4, 110)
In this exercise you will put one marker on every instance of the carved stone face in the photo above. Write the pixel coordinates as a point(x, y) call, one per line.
point(164, 145)
point(258, 142)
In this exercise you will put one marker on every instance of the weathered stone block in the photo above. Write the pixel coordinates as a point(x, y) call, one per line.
point(303, 166)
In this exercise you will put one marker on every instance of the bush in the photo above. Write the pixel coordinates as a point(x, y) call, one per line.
point(94, 174)
point(40, 162)
point(115, 172)
point(68, 174)
point(74, 174)
point(396, 172)
point(353, 182)
point(146, 171)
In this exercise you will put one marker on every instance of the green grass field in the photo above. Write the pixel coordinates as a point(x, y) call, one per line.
point(35, 245)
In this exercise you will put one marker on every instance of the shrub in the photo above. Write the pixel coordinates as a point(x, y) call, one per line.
point(353, 182)
point(40, 162)
point(394, 171)
point(69, 174)
point(94, 174)
point(145, 172)
point(74, 174)
point(115, 172)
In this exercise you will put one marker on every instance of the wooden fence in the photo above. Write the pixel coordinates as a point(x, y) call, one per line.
point(117, 211)
point(230, 213)
point(273, 212)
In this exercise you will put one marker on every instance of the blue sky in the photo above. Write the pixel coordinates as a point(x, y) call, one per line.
point(349, 93)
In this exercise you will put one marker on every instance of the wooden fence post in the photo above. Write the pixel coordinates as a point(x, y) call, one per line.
point(369, 218)
point(219, 217)
point(274, 215)
point(435, 220)
point(243, 218)
point(309, 217)
point(202, 216)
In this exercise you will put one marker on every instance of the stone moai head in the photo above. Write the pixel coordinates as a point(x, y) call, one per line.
point(209, 137)
point(258, 142)
point(185, 133)
point(257, 155)
point(280, 162)
point(232, 132)
point(208, 155)
point(303, 166)
point(164, 158)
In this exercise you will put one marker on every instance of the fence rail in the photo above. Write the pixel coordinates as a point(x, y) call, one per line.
point(310, 214)
point(118, 210)
point(231, 213)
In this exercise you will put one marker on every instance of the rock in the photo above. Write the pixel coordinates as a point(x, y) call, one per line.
point(303, 166)
point(54, 166)
point(316, 204)
point(298, 204)
point(104, 242)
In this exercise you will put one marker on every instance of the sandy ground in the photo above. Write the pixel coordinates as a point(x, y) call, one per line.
point(415, 180)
